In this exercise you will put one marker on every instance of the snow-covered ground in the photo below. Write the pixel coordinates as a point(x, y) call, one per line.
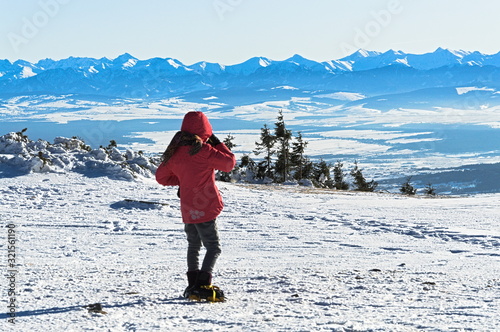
point(294, 259)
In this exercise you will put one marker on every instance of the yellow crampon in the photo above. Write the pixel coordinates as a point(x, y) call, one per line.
point(212, 298)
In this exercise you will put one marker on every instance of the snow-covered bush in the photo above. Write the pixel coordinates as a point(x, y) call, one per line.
point(13, 143)
point(98, 154)
point(116, 155)
point(71, 144)
point(72, 154)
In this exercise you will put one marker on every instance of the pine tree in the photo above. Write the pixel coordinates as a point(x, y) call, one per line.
point(298, 160)
point(112, 144)
point(248, 168)
point(407, 188)
point(321, 174)
point(307, 169)
point(22, 136)
point(228, 176)
point(228, 141)
point(339, 176)
point(266, 145)
point(283, 137)
point(360, 181)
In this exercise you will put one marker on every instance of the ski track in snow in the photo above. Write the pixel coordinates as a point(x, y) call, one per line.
point(294, 259)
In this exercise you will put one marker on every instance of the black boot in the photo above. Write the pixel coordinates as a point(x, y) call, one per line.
point(203, 290)
point(192, 276)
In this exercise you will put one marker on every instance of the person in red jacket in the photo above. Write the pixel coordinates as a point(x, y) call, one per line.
point(189, 162)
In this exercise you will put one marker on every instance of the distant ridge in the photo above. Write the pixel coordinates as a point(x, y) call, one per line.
point(127, 76)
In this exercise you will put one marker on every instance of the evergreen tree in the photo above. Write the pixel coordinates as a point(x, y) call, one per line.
point(248, 169)
point(283, 137)
point(307, 169)
point(298, 160)
point(228, 141)
point(23, 137)
point(339, 176)
point(112, 144)
point(430, 190)
point(266, 145)
point(407, 188)
point(360, 181)
point(321, 174)
point(228, 176)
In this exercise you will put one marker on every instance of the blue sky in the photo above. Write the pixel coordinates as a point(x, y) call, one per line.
point(231, 31)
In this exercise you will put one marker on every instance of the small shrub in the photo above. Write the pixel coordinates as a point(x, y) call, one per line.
point(430, 190)
point(407, 188)
point(360, 183)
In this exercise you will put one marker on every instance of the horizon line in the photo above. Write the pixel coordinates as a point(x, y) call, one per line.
point(259, 57)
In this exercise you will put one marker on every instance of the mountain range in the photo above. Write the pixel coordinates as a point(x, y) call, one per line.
point(368, 72)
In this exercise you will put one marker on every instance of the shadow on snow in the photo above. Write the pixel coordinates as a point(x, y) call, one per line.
point(60, 310)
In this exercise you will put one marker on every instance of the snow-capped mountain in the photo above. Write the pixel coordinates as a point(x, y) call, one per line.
point(208, 68)
point(127, 76)
point(248, 67)
point(366, 60)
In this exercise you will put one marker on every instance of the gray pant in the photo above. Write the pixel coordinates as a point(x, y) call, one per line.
point(203, 233)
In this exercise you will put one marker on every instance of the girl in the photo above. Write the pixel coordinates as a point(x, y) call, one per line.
point(189, 162)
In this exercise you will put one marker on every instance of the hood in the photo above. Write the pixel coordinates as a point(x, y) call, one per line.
point(197, 123)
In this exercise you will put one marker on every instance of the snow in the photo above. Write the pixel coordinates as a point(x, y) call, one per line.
point(344, 146)
point(294, 259)
point(263, 62)
point(93, 70)
point(130, 63)
point(174, 63)
point(19, 153)
point(27, 72)
point(403, 62)
point(72, 109)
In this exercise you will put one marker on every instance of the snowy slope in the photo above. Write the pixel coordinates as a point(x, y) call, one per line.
point(293, 259)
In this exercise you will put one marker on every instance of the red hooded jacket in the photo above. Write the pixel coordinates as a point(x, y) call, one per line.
point(195, 174)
